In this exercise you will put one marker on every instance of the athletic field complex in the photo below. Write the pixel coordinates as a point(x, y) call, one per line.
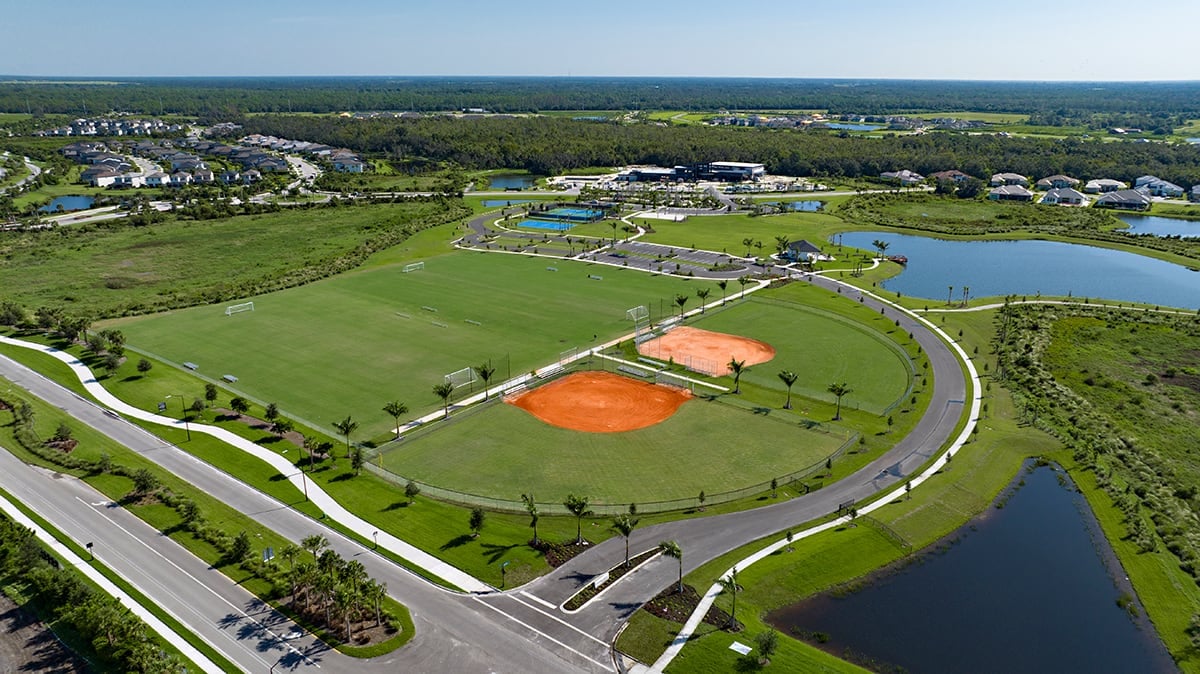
point(349, 344)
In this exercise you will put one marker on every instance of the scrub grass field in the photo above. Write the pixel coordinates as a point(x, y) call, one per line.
point(706, 445)
point(349, 344)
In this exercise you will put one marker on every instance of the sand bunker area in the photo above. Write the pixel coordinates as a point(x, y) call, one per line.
point(706, 351)
point(601, 402)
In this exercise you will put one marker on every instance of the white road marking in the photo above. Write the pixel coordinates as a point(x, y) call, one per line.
point(539, 600)
point(533, 629)
point(554, 617)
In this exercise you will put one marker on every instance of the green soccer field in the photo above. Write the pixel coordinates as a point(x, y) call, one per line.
point(821, 348)
point(349, 344)
point(503, 452)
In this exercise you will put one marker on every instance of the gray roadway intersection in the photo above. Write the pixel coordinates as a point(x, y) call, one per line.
point(520, 630)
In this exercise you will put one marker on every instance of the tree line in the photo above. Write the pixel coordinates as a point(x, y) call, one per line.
point(223, 98)
point(548, 145)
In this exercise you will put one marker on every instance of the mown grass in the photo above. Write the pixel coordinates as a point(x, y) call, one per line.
point(292, 349)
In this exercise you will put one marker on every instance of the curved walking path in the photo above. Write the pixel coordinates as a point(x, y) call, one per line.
point(298, 478)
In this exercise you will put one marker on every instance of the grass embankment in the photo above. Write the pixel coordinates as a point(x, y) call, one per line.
point(113, 269)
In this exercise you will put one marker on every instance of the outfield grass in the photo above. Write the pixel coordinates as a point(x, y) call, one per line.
point(821, 348)
point(348, 345)
point(705, 446)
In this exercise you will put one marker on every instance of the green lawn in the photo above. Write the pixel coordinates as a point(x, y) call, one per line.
point(821, 348)
point(349, 344)
point(706, 445)
point(725, 232)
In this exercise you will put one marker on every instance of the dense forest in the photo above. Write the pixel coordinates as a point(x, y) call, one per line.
point(546, 145)
point(219, 98)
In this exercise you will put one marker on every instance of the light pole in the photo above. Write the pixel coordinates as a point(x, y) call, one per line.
point(91, 556)
point(503, 568)
point(375, 535)
point(183, 414)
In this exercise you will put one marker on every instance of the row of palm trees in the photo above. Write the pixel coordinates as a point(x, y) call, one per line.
point(839, 389)
point(338, 587)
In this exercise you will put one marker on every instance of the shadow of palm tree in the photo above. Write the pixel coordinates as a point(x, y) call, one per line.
point(457, 541)
point(494, 552)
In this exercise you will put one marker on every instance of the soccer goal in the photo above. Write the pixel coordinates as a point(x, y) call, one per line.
point(415, 266)
point(239, 308)
point(461, 378)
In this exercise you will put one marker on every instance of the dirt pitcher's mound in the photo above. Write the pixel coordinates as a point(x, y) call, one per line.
point(601, 402)
point(705, 351)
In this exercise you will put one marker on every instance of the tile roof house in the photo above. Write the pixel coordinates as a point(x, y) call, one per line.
point(904, 177)
point(1064, 196)
point(1124, 200)
point(1157, 187)
point(1009, 179)
point(1103, 185)
point(1010, 193)
point(1057, 181)
point(953, 174)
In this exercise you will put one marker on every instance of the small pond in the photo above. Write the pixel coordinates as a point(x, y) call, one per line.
point(494, 203)
point(1026, 268)
point(802, 206)
point(1160, 226)
point(843, 126)
point(513, 181)
point(1028, 588)
point(67, 203)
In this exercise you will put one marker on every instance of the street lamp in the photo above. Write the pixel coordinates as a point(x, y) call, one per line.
point(503, 568)
point(375, 535)
point(91, 557)
point(183, 414)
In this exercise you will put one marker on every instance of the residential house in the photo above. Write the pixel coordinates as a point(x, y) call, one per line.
point(179, 179)
point(1124, 200)
point(801, 251)
point(1064, 196)
point(904, 177)
point(100, 177)
point(1194, 195)
point(202, 175)
point(158, 179)
point(1010, 193)
point(999, 179)
point(251, 176)
point(953, 175)
point(1056, 182)
point(230, 177)
point(1157, 187)
point(129, 180)
point(1104, 185)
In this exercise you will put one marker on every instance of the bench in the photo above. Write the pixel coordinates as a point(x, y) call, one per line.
point(191, 366)
point(651, 362)
point(229, 378)
point(636, 372)
point(550, 371)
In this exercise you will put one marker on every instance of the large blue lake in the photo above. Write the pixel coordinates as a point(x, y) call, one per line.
point(1026, 268)
point(1160, 226)
point(1029, 588)
point(842, 126)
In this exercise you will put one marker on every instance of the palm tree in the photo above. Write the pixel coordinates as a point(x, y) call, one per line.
point(729, 584)
point(375, 592)
point(703, 295)
point(614, 224)
point(290, 552)
point(723, 284)
point(839, 390)
point(743, 280)
point(624, 525)
point(396, 409)
point(532, 509)
point(314, 544)
point(311, 443)
point(781, 244)
point(737, 367)
point(966, 294)
point(748, 243)
point(485, 372)
point(881, 246)
point(346, 427)
point(443, 391)
point(343, 599)
point(577, 506)
point(671, 549)
point(948, 294)
point(681, 300)
point(788, 377)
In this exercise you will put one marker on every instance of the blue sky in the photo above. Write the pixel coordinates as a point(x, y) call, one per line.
point(1011, 40)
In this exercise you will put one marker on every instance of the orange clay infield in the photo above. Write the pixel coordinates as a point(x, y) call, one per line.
point(714, 349)
point(601, 402)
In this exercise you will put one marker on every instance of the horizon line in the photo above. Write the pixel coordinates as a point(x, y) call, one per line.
point(7, 78)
